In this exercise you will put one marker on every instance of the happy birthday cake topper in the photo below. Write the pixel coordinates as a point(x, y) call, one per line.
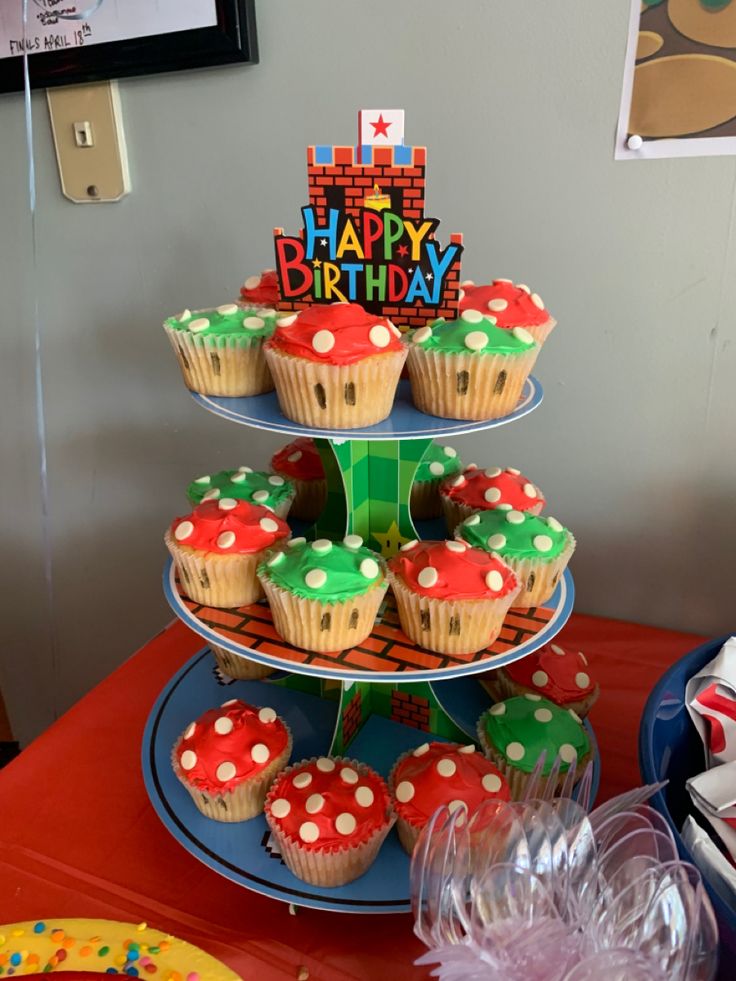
point(365, 237)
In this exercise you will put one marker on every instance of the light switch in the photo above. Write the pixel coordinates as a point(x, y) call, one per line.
point(87, 126)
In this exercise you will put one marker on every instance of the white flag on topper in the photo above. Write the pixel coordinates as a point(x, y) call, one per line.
point(380, 127)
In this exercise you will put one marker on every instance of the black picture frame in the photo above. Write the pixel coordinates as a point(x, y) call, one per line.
point(232, 41)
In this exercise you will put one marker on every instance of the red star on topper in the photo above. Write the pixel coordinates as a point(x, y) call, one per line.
point(380, 127)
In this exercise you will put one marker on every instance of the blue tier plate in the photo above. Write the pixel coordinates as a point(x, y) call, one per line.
point(244, 852)
point(405, 421)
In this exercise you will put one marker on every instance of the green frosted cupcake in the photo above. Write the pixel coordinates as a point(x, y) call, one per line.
point(220, 351)
point(537, 548)
point(515, 733)
point(270, 490)
point(324, 596)
point(438, 463)
point(469, 368)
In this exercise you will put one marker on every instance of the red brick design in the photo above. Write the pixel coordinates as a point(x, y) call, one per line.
point(410, 710)
point(351, 718)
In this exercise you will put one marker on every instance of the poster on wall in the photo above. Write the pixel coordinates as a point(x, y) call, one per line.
point(89, 40)
point(679, 91)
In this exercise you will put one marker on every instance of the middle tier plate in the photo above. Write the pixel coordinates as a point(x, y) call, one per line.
point(386, 655)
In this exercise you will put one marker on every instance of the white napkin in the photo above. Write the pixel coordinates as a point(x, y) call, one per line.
point(714, 794)
point(710, 697)
point(714, 866)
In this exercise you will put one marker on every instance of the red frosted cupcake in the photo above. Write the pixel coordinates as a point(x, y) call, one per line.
point(217, 549)
point(335, 366)
point(510, 305)
point(451, 600)
point(261, 290)
point(228, 758)
point(479, 490)
point(557, 673)
point(300, 462)
point(329, 817)
point(437, 774)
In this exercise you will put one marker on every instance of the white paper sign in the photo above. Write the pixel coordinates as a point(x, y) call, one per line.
point(114, 20)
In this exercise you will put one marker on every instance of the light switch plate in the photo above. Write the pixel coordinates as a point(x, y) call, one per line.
point(87, 127)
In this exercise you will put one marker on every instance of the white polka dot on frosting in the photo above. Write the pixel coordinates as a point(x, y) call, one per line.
point(404, 791)
point(557, 650)
point(394, 329)
point(472, 317)
point(345, 823)
point(227, 504)
point(530, 490)
point(266, 715)
point(474, 519)
point(266, 312)
point(293, 542)
point(260, 753)
point(494, 581)
point(492, 472)
point(322, 545)
point(496, 541)
point(497, 305)
point(352, 541)
point(582, 680)
point(533, 698)
point(199, 324)
point(254, 323)
point(325, 764)
point(230, 701)
point(407, 546)
point(269, 525)
point(315, 803)
point(468, 282)
point(470, 748)
point(323, 341)
point(379, 335)
point(492, 495)
point(211, 495)
point(421, 750)
point(461, 295)
point(450, 451)
point(458, 481)
point(275, 559)
point(203, 480)
point(513, 470)
point(427, 577)
point(280, 807)
point(515, 752)
point(554, 524)
point(446, 767)
point(436, 468)
point(542, 543)
point(276, 481)
point(225, 771)
point(260, 496)
point(543, 715)
point(421, 335)
point(524, 287)
point(455, 805)
point(491, 783)
point(228, 309)
point(295, 457)
point(245, 469)
point(239, 478)
point(223, 725)
point(364, 796)
point(515, 517)
point(575, 715)
point(475, 340)
point(522, 335)
point(349, 775)
point(252, 282)
point(583, 658)
point(183, 530)
point(540, 679)
point(568, 753)
point(184, 315)
point(286, 322)
point(226, 539)
point(308, 832)
point(369, 568)
point(188, 759)
point(315, 578)
point(191, 729)
point(302, 780)
point(453, 546)
point(498, 709)
point(537, 301)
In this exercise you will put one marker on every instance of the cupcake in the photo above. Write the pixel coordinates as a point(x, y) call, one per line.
point(437, 464)
point(300, 463)
point(228, 758)
point(335, 366)
point(479, 490)
point(261, 291)
point(559, 674)
point(514, 734)
point(468, 368)
point(324, 596)
point(329, 817)
point(537, 548)
point(217, 549)
point(269, 490)
point(437, 774)
point(238, 667)
point(511, 306)
point(220, 351)
point(451, 599)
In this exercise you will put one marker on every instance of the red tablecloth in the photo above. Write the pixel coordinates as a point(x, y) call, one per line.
point(79, 838)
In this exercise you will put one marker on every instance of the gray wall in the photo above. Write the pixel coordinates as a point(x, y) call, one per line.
point(517, 103)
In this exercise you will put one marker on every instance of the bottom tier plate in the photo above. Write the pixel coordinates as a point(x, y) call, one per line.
point(244, 852)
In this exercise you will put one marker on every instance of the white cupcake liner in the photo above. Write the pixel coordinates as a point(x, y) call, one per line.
point(449, 626)
point(336, 396)
point(212, 579)
point(238, 667)
point(225, 365)
point(541, 574)
point(468, 386)
point(540, 332)
point(333, 865)
point(310, 498)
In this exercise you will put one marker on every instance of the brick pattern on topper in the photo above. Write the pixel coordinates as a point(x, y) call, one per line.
point(410, 710)
point(351, 719)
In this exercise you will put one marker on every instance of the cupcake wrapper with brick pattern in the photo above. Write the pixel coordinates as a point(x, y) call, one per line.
point(449, 626)
point(425, 499)
point(543, 576)
point(310, 499)
point(500, 687)
point(315, 626)
point(231, 366)
point(455, 511)
point(540, 332)
point(336, 396)
point(236, 666)
point(212, 579)
point(242, 802)
point(329, 868)
point(468, 386)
